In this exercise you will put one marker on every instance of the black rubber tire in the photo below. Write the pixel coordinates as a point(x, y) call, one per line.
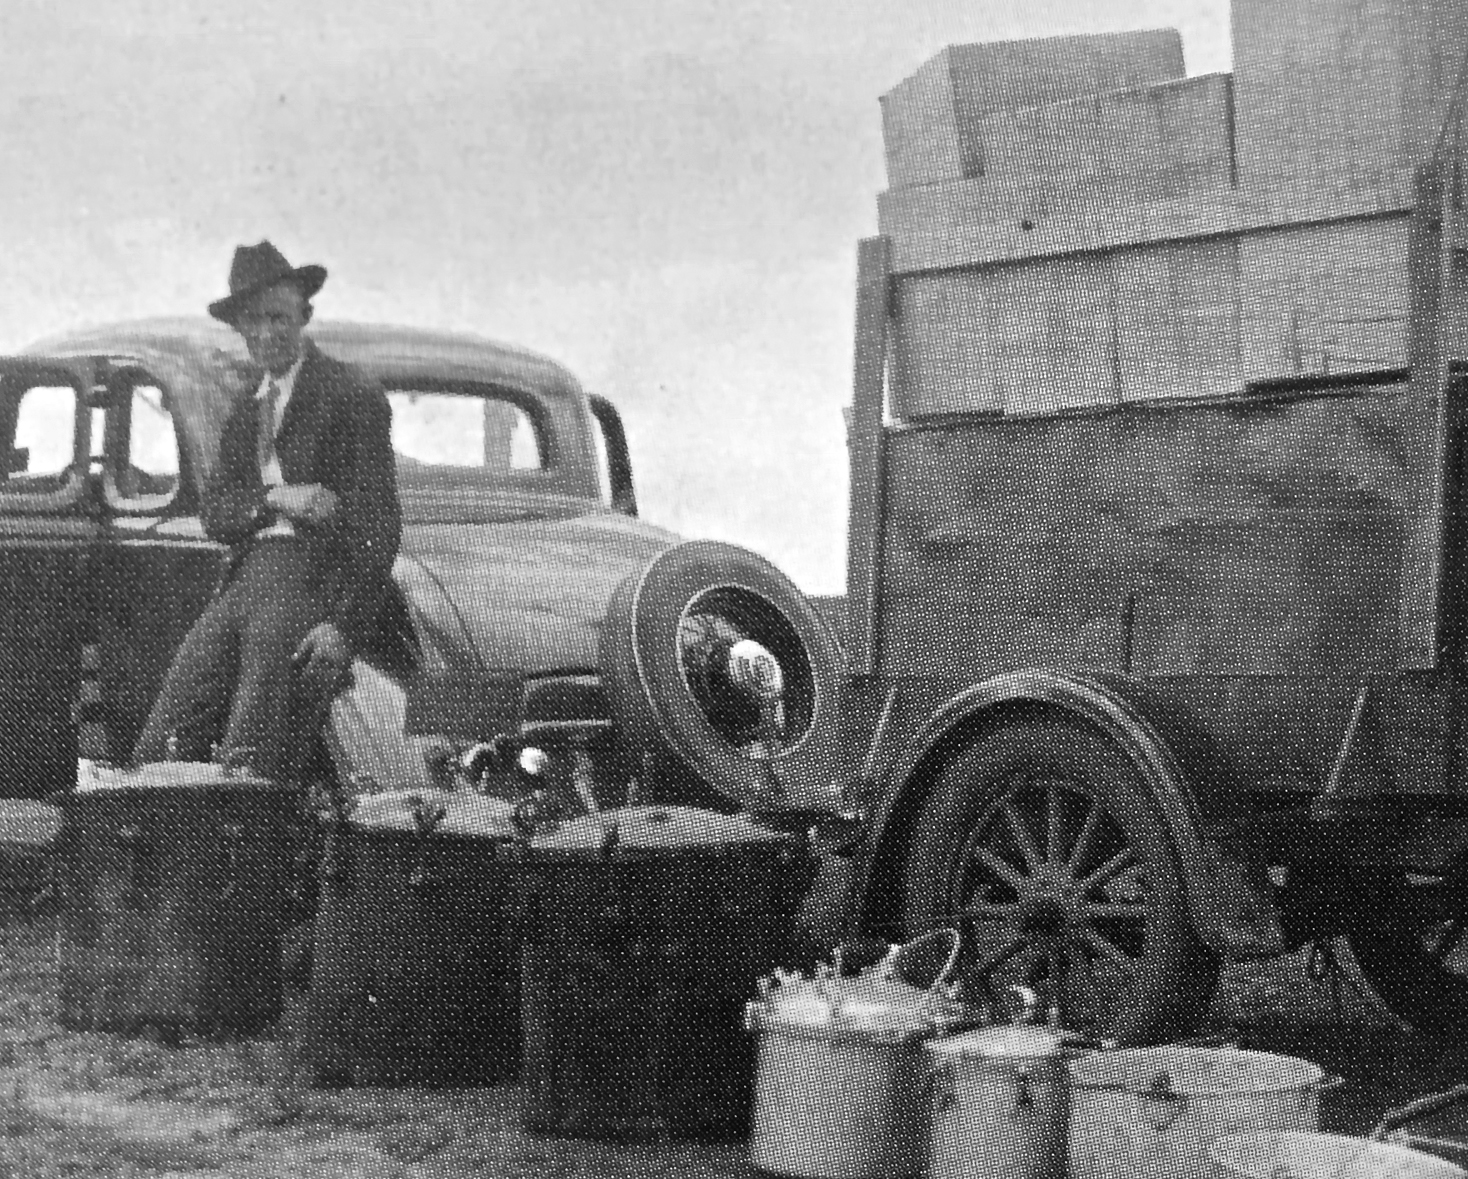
point(1107, 816)
point(651, 701)
point(1417, 967)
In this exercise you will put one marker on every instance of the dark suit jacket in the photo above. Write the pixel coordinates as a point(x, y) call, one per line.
point(336, 432)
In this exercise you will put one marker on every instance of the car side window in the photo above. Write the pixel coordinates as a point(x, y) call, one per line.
point(152, 466)
point(42, 440)
point(450, 436)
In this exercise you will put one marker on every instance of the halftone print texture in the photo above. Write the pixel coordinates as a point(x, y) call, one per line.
point(1110, 825)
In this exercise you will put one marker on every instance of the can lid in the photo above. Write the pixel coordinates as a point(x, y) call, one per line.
point(27, 823)
point(171, 775)
point(871, 1006)
point(1194, 1072)
point(465, 814)
point(651, 829)
point(1004, 1042)
point(1296, 1152)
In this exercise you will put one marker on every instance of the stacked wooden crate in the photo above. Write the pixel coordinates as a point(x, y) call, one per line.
point(1074, 222)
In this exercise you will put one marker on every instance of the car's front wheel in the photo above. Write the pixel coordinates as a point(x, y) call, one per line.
point(1041, 843)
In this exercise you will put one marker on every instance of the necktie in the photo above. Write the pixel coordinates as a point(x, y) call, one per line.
point(265, 435)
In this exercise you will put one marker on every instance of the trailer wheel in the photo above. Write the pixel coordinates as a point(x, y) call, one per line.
point(1415, 956)
point(1041, 843)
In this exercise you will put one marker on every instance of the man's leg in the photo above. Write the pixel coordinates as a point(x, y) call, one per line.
point(194, 700)
point(280, 608)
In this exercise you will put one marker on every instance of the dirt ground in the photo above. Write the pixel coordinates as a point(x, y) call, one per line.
point(91, 1104)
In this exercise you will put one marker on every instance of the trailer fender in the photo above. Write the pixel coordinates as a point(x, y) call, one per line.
point(1229, 900)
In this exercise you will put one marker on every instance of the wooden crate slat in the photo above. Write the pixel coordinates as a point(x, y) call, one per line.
point(1127, 146)
point(1177, 314)
point(1325, 299)
point(942, 358)
point(1051, 334)
point(928, 231)
point(864, 438)
point(1021, 339)
point(920, 130)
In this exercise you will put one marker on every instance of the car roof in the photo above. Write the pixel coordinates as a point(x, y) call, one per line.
point(203, 363)
point(384, 351)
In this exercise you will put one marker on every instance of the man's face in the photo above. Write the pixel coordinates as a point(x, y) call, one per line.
point(271, 322)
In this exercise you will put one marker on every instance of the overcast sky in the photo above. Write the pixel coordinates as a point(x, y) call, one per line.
point(665, 195)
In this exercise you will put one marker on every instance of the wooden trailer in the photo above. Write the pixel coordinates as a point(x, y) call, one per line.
point(1158, 584)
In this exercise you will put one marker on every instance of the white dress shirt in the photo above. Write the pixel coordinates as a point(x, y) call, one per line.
point(270, 473)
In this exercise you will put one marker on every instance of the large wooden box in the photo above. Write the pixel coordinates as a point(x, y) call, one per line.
point(1187, 237)
point(1193, 318)
point(932, 122)
point(1333, 91)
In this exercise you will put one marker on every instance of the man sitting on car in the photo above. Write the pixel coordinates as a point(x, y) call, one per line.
point(304, 493)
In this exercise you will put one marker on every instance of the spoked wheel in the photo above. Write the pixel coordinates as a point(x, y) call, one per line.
point(1414, 953)
point(1041, 843)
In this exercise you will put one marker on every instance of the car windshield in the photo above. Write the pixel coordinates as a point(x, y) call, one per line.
point(462, 441)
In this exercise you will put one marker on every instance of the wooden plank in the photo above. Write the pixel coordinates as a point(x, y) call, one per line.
point(920, 130)
point(1138, 324)
point(1452, 162)
point(932, 121)
point(1104, 226)
point(942, 358)
point(1345, 88)
point(1016, 339)
point(1145, 144)
point(864, 538)
point(1177, 320)
point(1046, 156)
point(1253, 539)
point(1433, 291)
point(1051, 335)
point(1325, 299)
point(1197, 117)
point(1012, 75)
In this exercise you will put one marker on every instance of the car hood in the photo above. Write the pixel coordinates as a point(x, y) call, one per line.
point(523, 596)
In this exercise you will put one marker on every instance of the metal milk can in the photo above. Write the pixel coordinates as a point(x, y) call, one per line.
point(839, 1080)
point(999, 1103)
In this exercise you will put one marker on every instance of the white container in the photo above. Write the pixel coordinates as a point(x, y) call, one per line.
point(1293, 1155)
point(840, 1078)
point(1155, 1111)
point(1000, 1104)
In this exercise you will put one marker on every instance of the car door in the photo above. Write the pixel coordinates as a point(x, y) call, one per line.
point(155, 571)
point(49, 530)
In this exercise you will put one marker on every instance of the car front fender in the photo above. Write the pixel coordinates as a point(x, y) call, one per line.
point(1229, 900)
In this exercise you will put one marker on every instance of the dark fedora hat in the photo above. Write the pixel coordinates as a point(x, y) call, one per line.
point(256, 267)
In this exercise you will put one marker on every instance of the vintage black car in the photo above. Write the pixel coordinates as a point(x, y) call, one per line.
point(542, 606)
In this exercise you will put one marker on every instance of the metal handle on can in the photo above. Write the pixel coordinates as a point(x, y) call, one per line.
point(233, 839)
point(1334, 1081)
point(1395, 1119)
point(336, 852)
point(942, 1092)
point(130, 839)
point(1161, 1104)
point(1024, 1093)
point(234, 758)
point(426, 819)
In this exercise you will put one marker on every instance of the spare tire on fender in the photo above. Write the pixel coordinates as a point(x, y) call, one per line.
point(665, 657)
